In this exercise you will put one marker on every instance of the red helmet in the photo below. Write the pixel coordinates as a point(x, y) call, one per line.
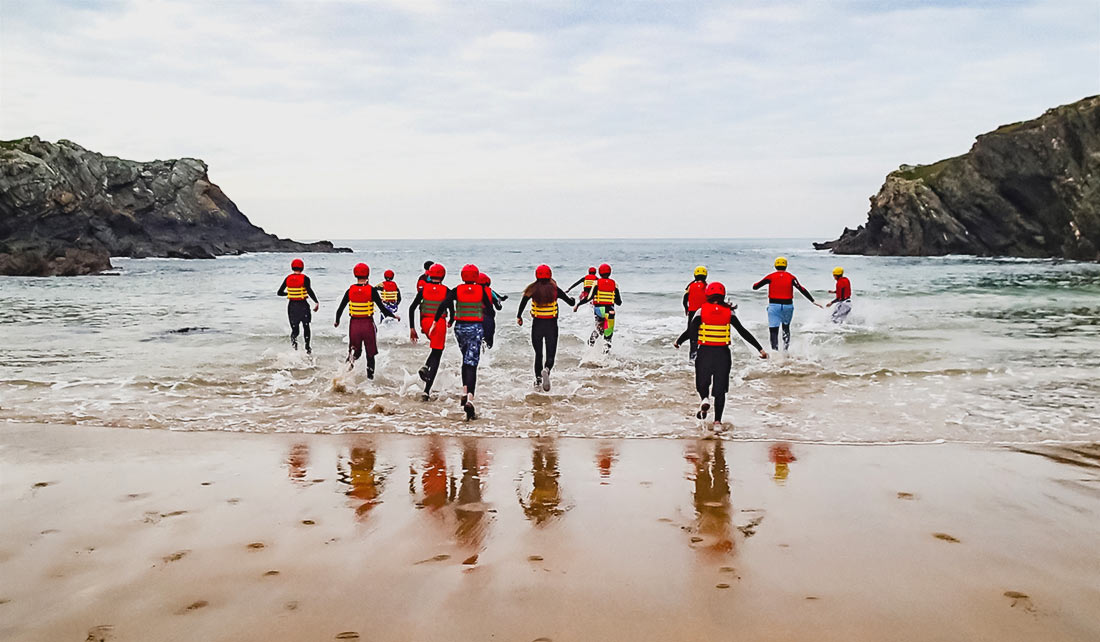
point(716, 288)
point(543, 272)
point(297, 264)
point(591, 270)
point(361, 271)
point(484, 279)
point(605, 270)
point(470, 273)
point(388, 274)
point(437, 271)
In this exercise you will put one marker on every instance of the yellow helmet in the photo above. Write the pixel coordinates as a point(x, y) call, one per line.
point(838, 271)
point(701, 270)
point(781, 262)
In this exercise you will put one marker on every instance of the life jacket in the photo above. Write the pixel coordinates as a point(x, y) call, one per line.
point(843, 288)
point(389, 292)
point(296, 287)
point(422, 281)
point(589, 281)
point(361, 300)
point(781, 285)
point(715, 328)
point(697, 295)
point(469, 302)
point(548, 311)
point(431, 297)
point(605, 292)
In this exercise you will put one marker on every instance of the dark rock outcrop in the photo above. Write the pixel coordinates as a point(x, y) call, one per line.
point(65, 211)
point(1029, 189)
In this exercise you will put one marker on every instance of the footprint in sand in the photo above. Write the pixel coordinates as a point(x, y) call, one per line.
point(723, 585)
point(534, 558)
point(1020, 600)
point(904, 495)
point(308, 522)
point(175, 557)
point(101, 633)
point(194, 606)
point(271, 573)
point(255, 546)
point(291, 605)
point(470, 560)
point(175, 513)
point(348, 635)
point(438, 558)
point(43, 484)
point(945, 537)
point(233, 500)
point(4, 600)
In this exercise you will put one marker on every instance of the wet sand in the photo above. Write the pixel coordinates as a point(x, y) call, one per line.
point(153, 535)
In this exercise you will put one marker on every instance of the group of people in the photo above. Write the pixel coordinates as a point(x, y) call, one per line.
point(470, 310)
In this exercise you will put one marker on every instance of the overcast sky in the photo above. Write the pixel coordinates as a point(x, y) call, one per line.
point(425, 118)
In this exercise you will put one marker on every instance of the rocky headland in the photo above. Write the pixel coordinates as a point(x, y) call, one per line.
point(66, 211)
point(1030, 189)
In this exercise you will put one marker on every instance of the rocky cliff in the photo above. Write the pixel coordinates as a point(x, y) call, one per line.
point(65, 210)
point(1029, 189)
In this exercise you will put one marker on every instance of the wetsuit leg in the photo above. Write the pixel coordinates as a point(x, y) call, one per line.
point(469, 378)
point(694, 342)
point(489, 324)
point(537, 342)
point(307, 335)
point(433, 368)
point(370, 366)
point(774, 336)
point(702, 376)
point(786, 336)
point(294, 323)
point(720, 368)
point(298, 314)
point(551, 338)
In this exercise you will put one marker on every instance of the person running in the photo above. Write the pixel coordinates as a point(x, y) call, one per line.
point(589, 280)
point(490, 322)
point(390, 293)
point(604, 296)
point(781, 286)
point(695, 295)
point(361, 299)
point(711, 328)
point(424, 277)
point(428, 300)
point(296, 288)
point(843, 299)
point(544, 294)
point(467, 304)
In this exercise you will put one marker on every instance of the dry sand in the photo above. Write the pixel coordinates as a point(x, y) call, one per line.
point(112, 534)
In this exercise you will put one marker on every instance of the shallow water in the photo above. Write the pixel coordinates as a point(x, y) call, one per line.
point(952, 348)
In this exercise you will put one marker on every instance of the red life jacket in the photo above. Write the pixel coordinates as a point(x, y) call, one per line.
point(697, 295)
point(469, 302)
point(715, 328)
point(431, 297)
point(781, 285)
point(843, 288)
point(361, 300)
point(605, 292)
point(389, 292)
point(296, 286)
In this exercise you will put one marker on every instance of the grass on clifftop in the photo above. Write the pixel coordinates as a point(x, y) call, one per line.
point(925, 172)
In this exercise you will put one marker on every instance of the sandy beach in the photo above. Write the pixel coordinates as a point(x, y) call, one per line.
point(155, 535)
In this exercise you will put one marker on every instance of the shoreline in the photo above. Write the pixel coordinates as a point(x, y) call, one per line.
point(164, 535)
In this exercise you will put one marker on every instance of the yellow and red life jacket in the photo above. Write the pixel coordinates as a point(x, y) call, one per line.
point(605, 292)
point(389, 292)
point(296, 287)
point(715, 327)
point(361, 300)
point(589, 281)
point(548, 311)
point(431, 297)
point(697, 295)
point(470, 302)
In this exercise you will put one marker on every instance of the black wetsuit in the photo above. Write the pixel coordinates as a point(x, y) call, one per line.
point(299, 314)
point(712, 363)
point(489, 317)
point(544, 332)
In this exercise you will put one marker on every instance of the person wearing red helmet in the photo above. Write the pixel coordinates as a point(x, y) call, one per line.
point(490, 320)
point(466, 303)
point(429, 299)
point(695, 295)
point(604, 296)
point(711, 329)
point(589, 281)
point(361, 300)
point(296, 289)
point(544, 295)
point(390, 293)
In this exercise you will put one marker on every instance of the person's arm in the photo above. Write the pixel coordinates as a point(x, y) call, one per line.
point(496, 300)
point(804, 291)
point(412, 310)
point(378, 303)
point(691, 333)
point(565, 297)
point(579, 281)
point(687, 291)
point(747, 336)
point(448, 305)
point(398, 298)
point(761, 283)
point(522, 305)
point(309, 291)
point(618, 297)
point(343, 304)
point(282, 288)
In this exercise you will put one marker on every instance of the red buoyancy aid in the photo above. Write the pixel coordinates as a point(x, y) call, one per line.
point(715, 327)
point(296, 286)
point(389, 292)
point(432, 296)
point(589, 281)
point(843, 288)
point(361, 300)
point(697, 295)
point(780, 285)
point(469, 302)
point(605, 292)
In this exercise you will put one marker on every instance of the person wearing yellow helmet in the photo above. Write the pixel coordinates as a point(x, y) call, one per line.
point(695, 295)
point(781, 286)
point(843, 298)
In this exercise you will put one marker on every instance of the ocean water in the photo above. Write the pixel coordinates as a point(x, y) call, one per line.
point(936, 349)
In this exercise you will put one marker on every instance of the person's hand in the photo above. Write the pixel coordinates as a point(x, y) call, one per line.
point(819, 305)
point(763, 355)
point(519, 320)
point(412, 335)
point(336, 325)
point(397, 316)
point(451, 323)
point(316, 307)
point(675, 345)
point(577, 307)
point(829, 304)
point(686, 313)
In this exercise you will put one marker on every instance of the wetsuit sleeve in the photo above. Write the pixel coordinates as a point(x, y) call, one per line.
point(378, 303)
point(618, 297)
point(745, 334)
point(578, 282)
point(801, 289)
point(309, 290)
point(448, 305)
point(565, 297)
point(398, 297)
point(495, 298)
point(522, 305)
point(693, 330)
point(343, 304)
point(412, 309)
point(282, 288)
point(761, 283)
point(686, 291)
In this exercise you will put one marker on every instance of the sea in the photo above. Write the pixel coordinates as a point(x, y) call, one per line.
point(936, 349)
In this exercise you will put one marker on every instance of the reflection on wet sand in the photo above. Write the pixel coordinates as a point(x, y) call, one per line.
point(297, 462)
point(780, 454)
point(436, 488)
point(542, 503)
point(457, 505)
point(358, 469)
point(605, 458)
point(713, 531)
point(471, 511)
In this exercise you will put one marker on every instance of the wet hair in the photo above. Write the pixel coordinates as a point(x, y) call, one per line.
point(716, 298)
point(542, 291)
point(428, 264)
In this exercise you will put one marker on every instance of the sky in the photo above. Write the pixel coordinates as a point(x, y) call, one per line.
point(544, 119)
